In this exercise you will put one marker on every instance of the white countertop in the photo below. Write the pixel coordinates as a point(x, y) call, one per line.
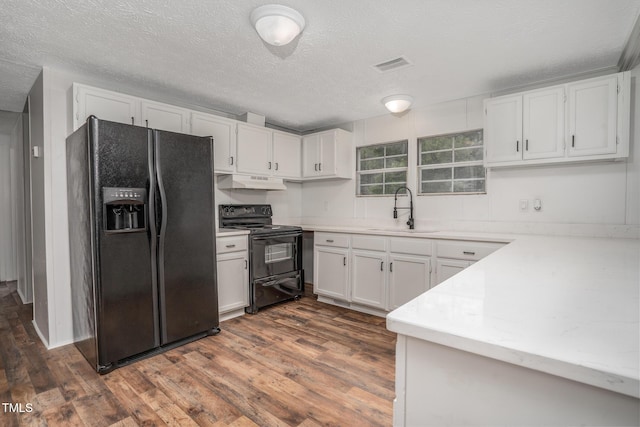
point(228, 232)
point(566, 306)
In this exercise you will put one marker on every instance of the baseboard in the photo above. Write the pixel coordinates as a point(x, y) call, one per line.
point(42, 337)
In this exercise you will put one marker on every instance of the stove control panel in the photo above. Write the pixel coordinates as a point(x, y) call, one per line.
point(245, 211)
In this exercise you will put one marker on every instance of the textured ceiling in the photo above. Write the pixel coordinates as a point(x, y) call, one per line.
point(205, 52)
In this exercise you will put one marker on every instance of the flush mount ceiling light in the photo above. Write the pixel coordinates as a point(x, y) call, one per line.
point(397, 103)
point(277, 24)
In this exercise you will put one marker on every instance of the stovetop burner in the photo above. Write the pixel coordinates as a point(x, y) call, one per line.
point(255, 218)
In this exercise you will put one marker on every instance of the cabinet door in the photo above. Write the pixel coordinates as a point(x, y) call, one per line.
point(503, 129)
point(408, 278)
point(233, 281)
point(592, 117)
point(105, 105)
point(543, 124)
point(331, 273)
point(287, 153)
point(253, 149)
point(223, 132)
point(164, 117)
point(368, 278)
point(327, 164)
point(446, 268)
point(310, 155)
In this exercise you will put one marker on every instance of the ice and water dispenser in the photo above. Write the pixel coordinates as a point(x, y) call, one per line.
point(125, 209)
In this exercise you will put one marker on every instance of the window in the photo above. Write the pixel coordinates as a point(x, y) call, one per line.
point(382, 168)
point(451, 163)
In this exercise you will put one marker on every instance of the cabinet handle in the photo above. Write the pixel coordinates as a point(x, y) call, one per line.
point(526, 147)
point(573, 140)
point(276, 165)
point(329, 240)
point(231, 161)
point(518, 146)
point(468, 252)
point(132, 120)
point(344, 260)
point(246, 264)
point(269, 165)
point(391, 267)
point(231, 246)
point(319, 166)
point(381, 265)
point(315, 167)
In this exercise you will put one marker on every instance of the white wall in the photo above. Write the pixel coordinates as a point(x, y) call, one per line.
point(7, 242)
point(590, 198)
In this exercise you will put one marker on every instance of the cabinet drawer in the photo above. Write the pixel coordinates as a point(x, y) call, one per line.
point(231, 244)
point(467, 250)
point(368, 242)
point(410, 246)
point(337, 240)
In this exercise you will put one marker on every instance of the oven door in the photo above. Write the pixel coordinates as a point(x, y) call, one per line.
point(276, 254)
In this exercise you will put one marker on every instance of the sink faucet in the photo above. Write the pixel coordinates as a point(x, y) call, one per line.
point(395, 207)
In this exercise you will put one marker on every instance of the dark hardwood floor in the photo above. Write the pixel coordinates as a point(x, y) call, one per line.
point(302, 363)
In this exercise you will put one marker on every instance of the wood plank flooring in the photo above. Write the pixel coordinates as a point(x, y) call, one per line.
point(302, 363)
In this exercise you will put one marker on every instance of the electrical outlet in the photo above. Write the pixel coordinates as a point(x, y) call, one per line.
point(537, 205)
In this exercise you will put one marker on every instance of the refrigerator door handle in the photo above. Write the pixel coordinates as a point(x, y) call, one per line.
point(161, 234)
point(153, 236)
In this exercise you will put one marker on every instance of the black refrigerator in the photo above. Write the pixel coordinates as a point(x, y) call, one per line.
point(142, 242)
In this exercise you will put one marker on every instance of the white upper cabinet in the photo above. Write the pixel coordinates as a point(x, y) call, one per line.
point(592, 116)
point(223, 132)
point(254, 149)
point(167, 117)
point(503, 127)
point(328, 154)
point(581, 121)
point(103, 104)
point(286, 155)
point(543, 124)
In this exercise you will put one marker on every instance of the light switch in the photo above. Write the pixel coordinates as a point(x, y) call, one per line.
point(524, 205)
point(35, 150)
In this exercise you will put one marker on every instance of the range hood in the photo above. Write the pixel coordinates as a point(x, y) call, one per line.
point(250, 182)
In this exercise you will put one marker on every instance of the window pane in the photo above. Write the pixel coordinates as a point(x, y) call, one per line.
point(395, 177)
point(471, 186)
point(371, 178)
point(391, 188)
point(468, 139)
point(468, 154)
point(396, 162)
point(437, 157)
point(371, 164)
point(373, 151)
point(436, 187)
point(436, 174)
point(397, 148)
point(463, 172)
point(371, 189)
point(435, 143)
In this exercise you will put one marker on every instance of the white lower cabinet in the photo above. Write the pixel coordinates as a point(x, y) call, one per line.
point(233, 276)
point(371, 273)
point(331, 272)
point(453, 256)
point(369, 281)
point(446, 268)
point(409, 276)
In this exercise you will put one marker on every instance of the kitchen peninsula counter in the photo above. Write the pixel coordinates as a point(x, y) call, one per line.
point(546, 329)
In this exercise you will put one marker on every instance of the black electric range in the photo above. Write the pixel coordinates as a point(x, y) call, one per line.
point(275, 254)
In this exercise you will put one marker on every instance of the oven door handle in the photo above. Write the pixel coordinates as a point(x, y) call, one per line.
point(273, 236)
point(279, 285)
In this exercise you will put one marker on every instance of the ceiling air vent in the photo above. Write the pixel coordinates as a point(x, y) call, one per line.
point(393, 64)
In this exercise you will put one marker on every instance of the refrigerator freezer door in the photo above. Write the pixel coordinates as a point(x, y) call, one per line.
point(186, 245)
point(126, 296)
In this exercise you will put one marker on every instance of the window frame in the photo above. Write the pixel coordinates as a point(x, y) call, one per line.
point(384, 170)
point(452, 165)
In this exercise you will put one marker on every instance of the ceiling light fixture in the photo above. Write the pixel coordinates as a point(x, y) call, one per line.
point(397, 103)
point(277, 24)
